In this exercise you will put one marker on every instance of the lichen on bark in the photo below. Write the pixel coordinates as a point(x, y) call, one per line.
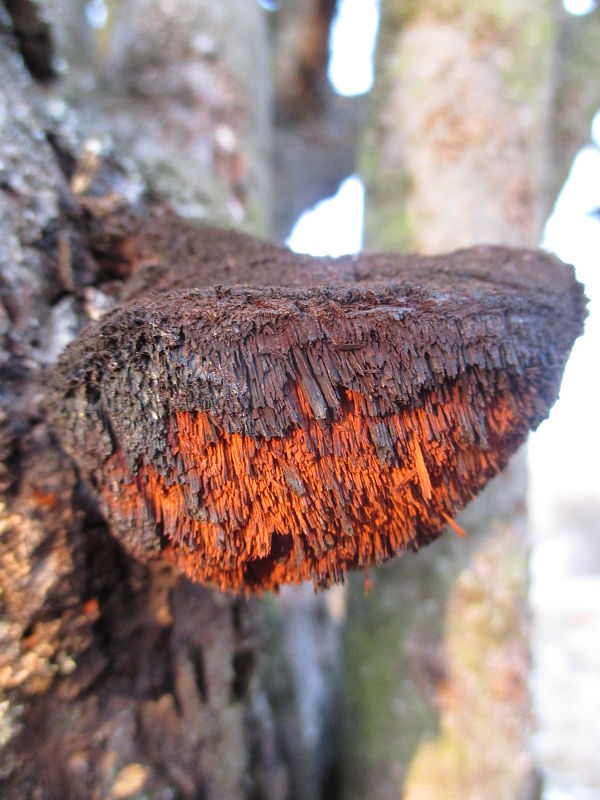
point(96, 701)
point(456, 149)
point(459, 113)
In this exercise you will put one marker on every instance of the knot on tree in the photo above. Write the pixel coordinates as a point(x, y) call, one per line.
point(259, 417)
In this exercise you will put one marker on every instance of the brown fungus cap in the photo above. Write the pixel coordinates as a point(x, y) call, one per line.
point(261, 434)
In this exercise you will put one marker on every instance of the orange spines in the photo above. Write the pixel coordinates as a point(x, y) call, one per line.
point(253, 514)
point(260, 434)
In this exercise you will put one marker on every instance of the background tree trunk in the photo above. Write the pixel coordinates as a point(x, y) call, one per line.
point(576, 92)
point(316, 131)
point(455, 152)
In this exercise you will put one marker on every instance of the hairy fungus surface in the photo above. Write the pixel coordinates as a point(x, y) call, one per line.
point(262, 433)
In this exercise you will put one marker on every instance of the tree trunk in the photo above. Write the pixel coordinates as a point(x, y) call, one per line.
point(576, 92)
point(316, 131)
point(125, 680)
point(118, 680)
point(455, 152)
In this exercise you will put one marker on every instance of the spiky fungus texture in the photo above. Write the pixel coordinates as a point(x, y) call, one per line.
point(314, 415)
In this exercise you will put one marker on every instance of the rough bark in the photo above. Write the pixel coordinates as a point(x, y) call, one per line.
point(456, 151)
point(117, 679)
point(181, 90)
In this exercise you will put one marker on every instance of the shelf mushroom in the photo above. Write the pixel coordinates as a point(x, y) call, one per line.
point(259, 417)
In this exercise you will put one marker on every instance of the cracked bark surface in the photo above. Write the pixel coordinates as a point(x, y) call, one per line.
point(96, 702)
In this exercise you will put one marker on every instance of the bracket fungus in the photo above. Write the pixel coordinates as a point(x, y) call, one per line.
point(259, 417)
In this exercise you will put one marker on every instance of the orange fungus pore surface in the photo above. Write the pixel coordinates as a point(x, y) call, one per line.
point(257, 434)
point(247, 513)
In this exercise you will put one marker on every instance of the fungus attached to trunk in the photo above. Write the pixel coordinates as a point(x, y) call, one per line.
point(259, 417)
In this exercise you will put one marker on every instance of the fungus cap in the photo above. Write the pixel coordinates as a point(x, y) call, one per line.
point(260, 435)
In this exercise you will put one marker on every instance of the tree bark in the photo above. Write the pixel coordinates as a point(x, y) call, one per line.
point(456, 152)
point(183, 91)
point(121, 679)
point(167, 101)
point(316, 131)
point(117, 679)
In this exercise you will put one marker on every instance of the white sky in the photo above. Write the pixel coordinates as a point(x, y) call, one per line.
point(579, 7)
point(352, 44)
point(563, 452)
point(96, 13)
point(335, 225)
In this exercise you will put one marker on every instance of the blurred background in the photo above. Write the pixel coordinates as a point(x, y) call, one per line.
point(563, 494)
point(472, 670)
